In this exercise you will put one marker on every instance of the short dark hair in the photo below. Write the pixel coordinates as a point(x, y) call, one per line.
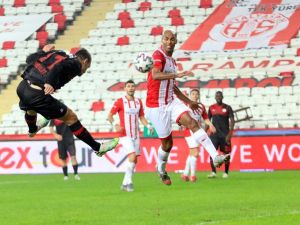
point(195, 89)
point(129, 82)
point(83, 54)
point(219, 92)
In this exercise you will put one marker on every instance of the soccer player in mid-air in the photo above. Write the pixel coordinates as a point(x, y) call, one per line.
point(46, 72)
point(189, 173)
point(164, 106)
point(130, 109)
point(222, 118)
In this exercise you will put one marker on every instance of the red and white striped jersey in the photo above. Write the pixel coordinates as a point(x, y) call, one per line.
point(129, 112)
point(160, 92)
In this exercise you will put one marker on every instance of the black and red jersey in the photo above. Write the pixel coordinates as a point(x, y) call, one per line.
point(63, 129)
point(219, 116)
point(61, 68)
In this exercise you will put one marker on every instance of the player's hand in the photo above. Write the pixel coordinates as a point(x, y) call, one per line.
point(228, 139)
point(58, 137)
point(119, 128)
point(185, 74)
point(195, 107)
point(150, 129)
point(48, 89)
point(48, 47)
point(212, 129)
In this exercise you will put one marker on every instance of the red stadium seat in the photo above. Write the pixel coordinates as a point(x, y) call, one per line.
point(298, 52)
point(205, 4)
point(158, 30)
point(124, 15)
point(42, 42)
point(98, 106)
point(8, 45)
point(19, 3)
point(41, 35)
point(127, 1)
point(2, 11)
point(57, 8)
point(54, 2)
point(42, 28)
point(177, 21)
point(127, 23)
point(60, 19)
point(123, 40)
point(174, 13)
point(3, 62)
point(145, 6)
point(74, 50)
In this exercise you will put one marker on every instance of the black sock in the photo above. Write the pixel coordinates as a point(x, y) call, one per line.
point(31, 122)
point(213, 168)
point(82, 133)
point(75, 168)
point(65, 170)
point(227, 164)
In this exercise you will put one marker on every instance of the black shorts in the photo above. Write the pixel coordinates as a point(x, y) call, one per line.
point(34, 99)
point(220, 142)
point(65, 147)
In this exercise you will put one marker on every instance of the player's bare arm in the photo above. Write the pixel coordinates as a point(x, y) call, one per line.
point(57, 136)
point(193, 105)
point(158, 75)
point(116, 125)
point(146, 124)
point(210, 126)
point(231, 126)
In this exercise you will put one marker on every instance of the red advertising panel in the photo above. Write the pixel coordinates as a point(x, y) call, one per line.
point(248, 153)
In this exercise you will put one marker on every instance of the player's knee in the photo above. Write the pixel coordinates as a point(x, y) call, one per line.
point(193, 125)
point(31, 112)
point(167, 146)
point(70, 118)
point(194, 153)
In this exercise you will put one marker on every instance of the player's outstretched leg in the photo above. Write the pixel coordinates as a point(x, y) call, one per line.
point(220, 159)
point(107, 146)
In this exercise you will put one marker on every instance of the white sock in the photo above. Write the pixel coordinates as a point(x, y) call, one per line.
point(200, 136)
point(162, 160)
point(193, 162)
point(128, 173)
point(187, 166)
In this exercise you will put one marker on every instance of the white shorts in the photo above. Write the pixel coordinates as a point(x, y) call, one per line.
point(162, 117)
point(130, 145)
point(191, 141)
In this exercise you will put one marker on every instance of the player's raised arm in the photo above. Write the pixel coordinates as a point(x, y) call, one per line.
point(193, 105)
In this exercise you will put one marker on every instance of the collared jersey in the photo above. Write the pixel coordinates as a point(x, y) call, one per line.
point(161, 92)
point(129, 112)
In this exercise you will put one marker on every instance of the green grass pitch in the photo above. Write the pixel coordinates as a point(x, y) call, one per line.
point(244, 198)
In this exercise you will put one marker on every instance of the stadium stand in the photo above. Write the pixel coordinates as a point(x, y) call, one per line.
point(135, 26)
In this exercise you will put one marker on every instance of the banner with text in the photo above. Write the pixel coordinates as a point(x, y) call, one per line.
point(248, 153)
point(19, 28)
point(246, 65)
point(247, 24)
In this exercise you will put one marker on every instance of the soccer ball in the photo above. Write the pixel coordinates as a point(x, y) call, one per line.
point(143, 62)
